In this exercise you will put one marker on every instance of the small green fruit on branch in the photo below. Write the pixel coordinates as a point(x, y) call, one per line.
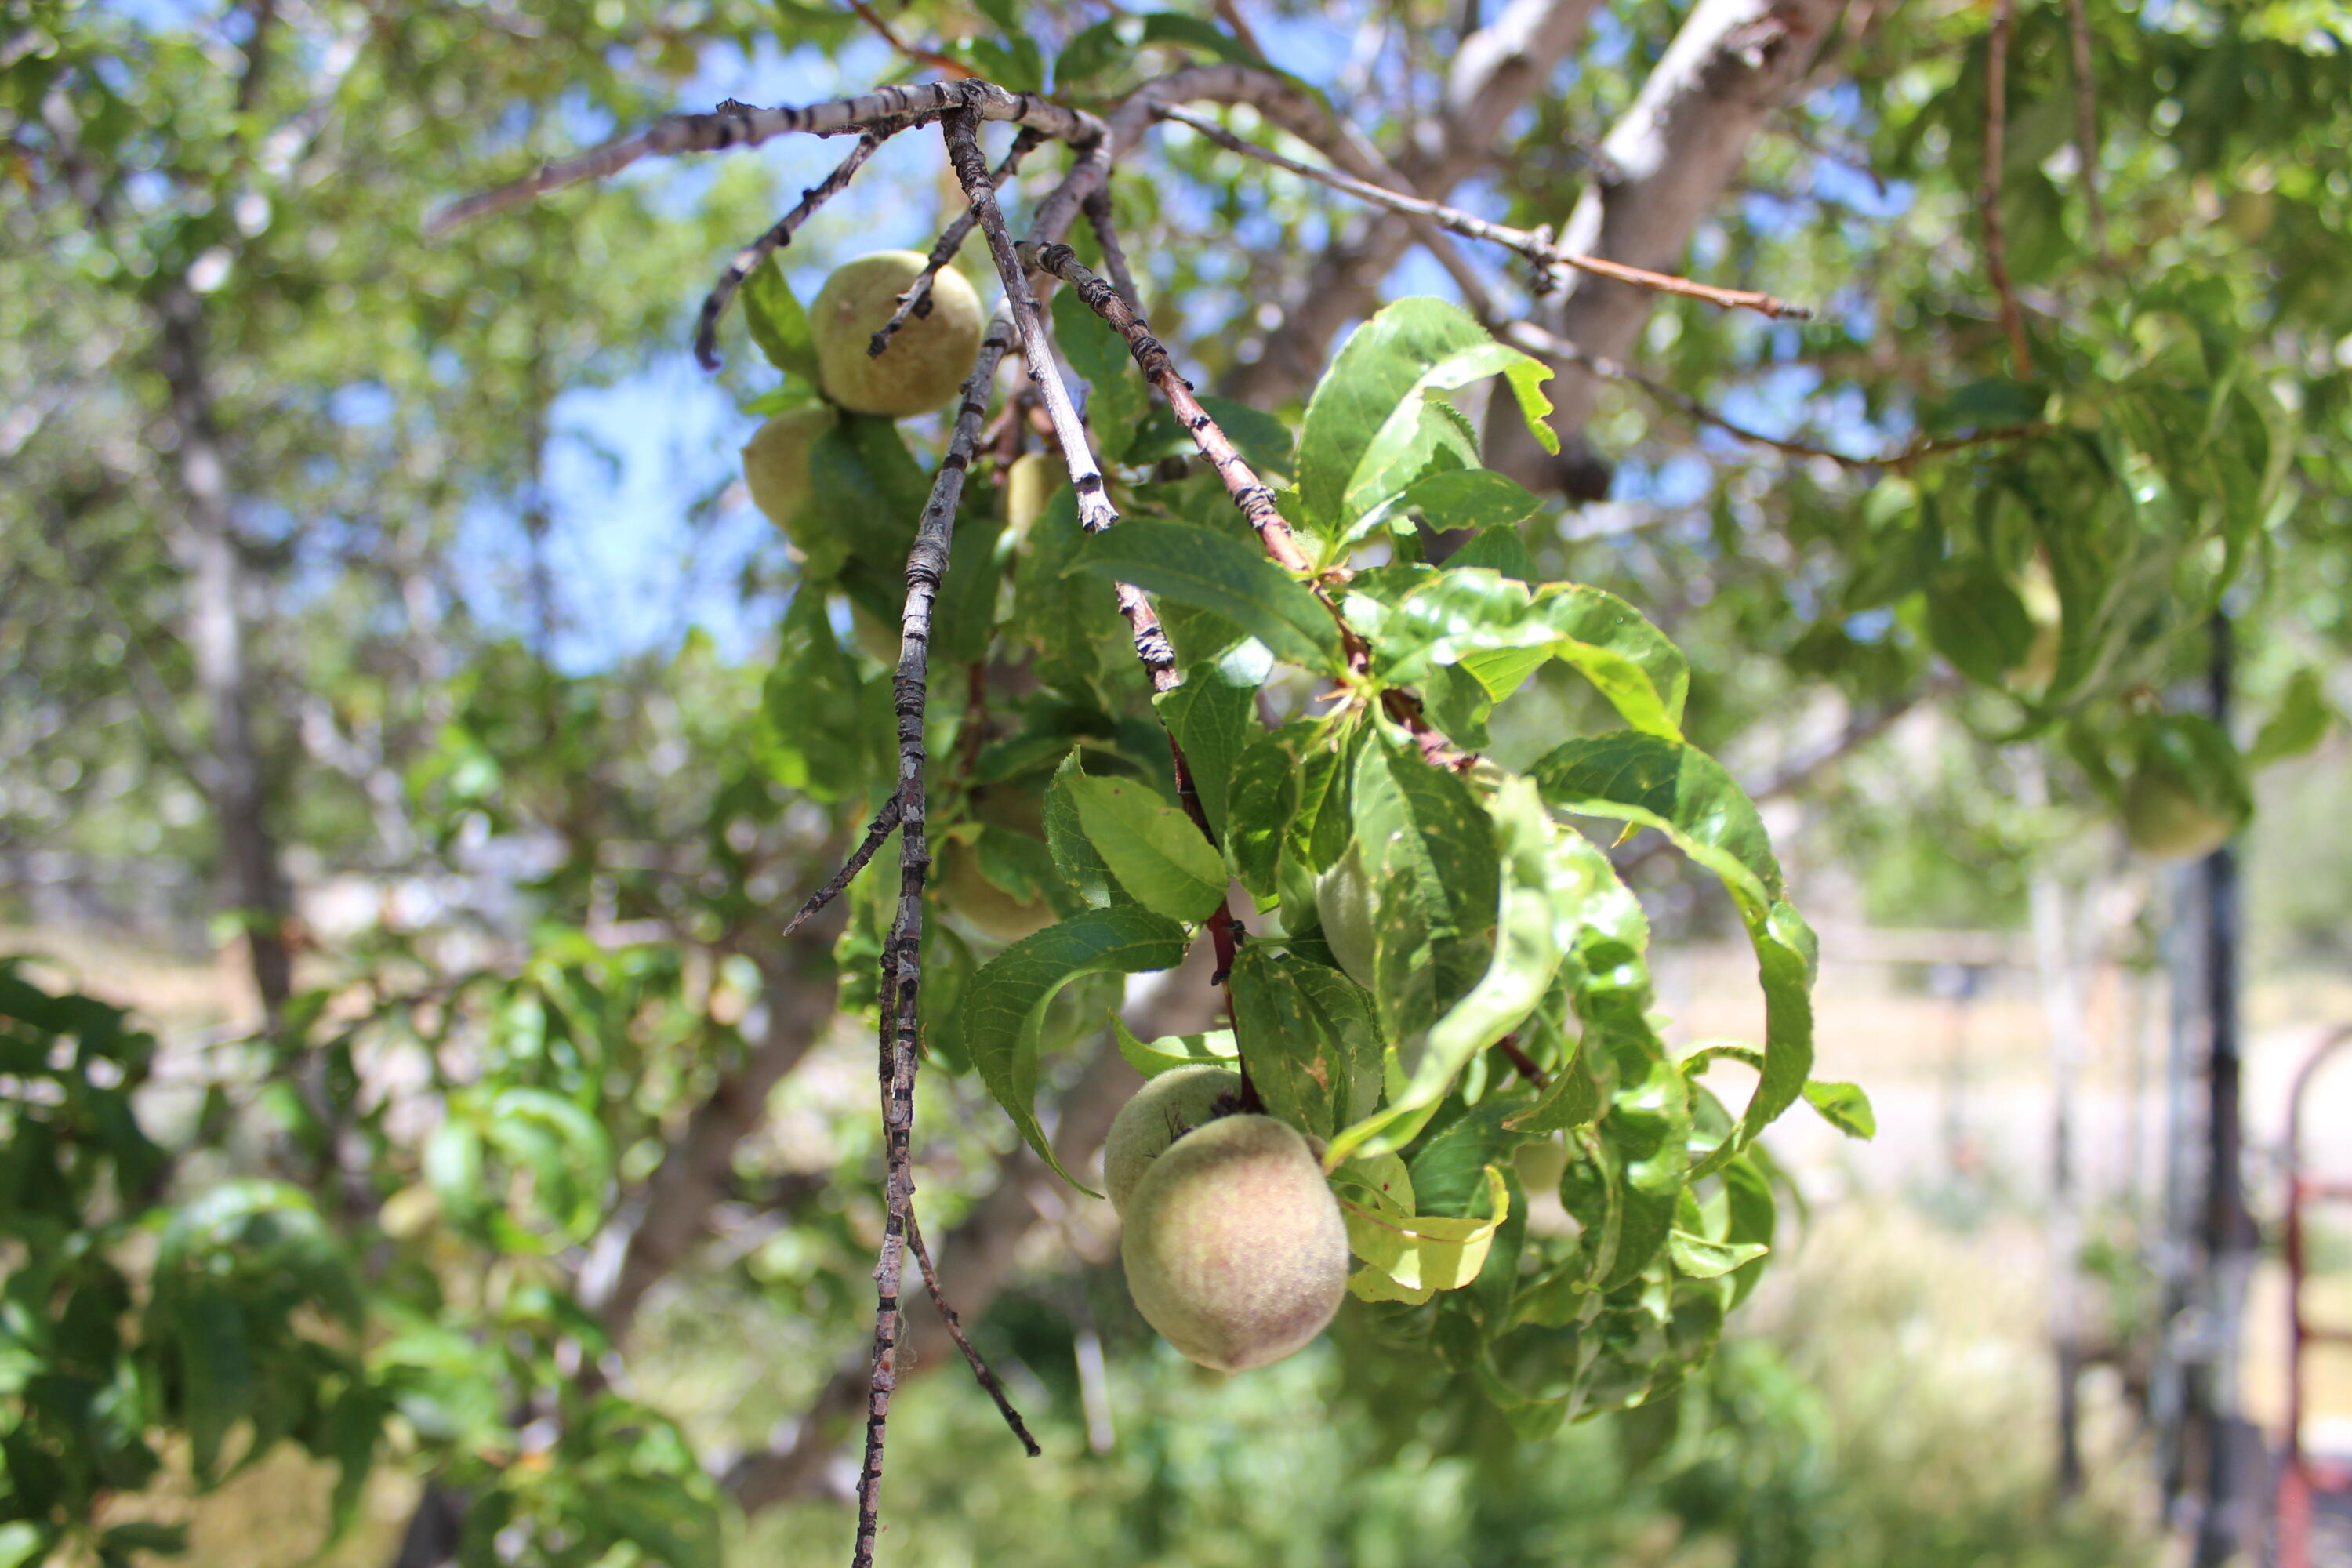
point(926, 362)
point(776, 465)
point(1234, 1248)
point(2188, 792)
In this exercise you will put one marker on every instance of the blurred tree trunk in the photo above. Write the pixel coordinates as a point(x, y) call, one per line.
point(251, 877)
point(1498, 70)
point(1672, 157)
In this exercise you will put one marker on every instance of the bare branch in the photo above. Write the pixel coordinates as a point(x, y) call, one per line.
point(1520, 1059)
point(741, 126)
point(1677, 148)
point(978, 1257)
point(748, 259)
point(1996, 245)
point(1095, 509)
point(951, 241)
point(1535, 340)
point(1535, 245)
point(1122, 278)
point(902, 955)
point(884, 820)
point(1250, 493)
point(955, 1332)
point(1231, 15)
point(1495, 72)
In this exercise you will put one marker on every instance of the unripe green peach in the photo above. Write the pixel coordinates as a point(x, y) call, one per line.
point(2188, 790)
point(929, 356)
point(776, 467)
point(1029, 484)
point(1541, 1164)
point(2163, 818)
point(970, 893)
point(1165, 1109)
point(968, 890)
point(1234, 1248)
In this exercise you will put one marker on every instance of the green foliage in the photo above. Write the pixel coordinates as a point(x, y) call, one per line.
point(125, 1318)
point(1430, 910)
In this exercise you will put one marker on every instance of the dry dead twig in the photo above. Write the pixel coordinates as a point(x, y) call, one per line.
point(1536, 245)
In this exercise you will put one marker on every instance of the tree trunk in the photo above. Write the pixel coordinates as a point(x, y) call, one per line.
point(1496, 70)
point(251, 880)
point(1675, 153)
point(798, 991)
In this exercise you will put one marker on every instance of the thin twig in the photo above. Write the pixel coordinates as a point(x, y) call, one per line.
point(739, 125)
point(955, 1332)
point(914, 52)
point(1095, 509)
point(1231, 15)
point(951, 241)
point(2086, 119)
point(877, 831)
point(1551, 345)
point(1249, 492)
point(1510, 1046)
point(1536, 245)
point(1122, 278)
point(748, 259)
point(2012, 320)
point(902, 955)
